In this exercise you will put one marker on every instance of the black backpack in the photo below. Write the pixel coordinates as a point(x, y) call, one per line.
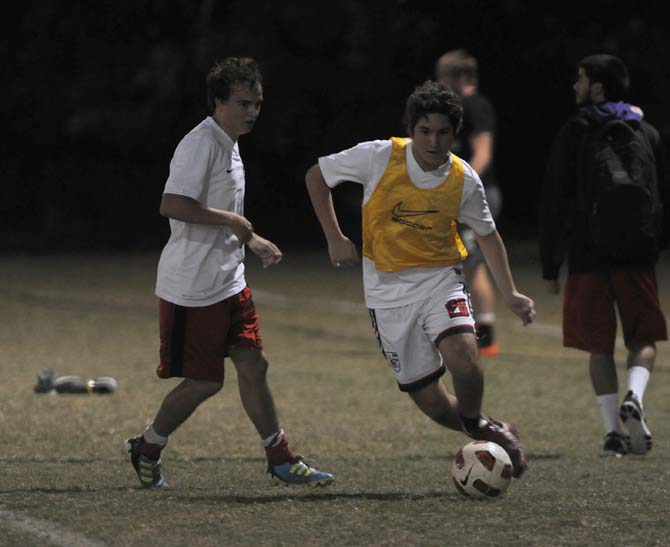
point(620, 194)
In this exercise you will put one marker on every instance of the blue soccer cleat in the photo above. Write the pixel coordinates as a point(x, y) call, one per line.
point(297, 472)
point(149, 472)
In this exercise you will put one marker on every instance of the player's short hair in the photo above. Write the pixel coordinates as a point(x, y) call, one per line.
point(433, 98)
point(227, 74)
point(456, 64)
point(610, 71)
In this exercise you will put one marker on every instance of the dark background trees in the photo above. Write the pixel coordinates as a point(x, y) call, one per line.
point(97, 95)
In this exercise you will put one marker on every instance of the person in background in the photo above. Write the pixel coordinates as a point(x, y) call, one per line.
point(602, 205)
point(475, 143)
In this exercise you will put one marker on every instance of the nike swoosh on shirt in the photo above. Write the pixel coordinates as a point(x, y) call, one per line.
point(400, 212)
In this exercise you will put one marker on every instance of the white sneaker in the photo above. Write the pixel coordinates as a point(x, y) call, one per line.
point(632, 415)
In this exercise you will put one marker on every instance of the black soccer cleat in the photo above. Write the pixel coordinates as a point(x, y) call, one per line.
point(632, 415)
point(149, 472)
point(616, 444)
point(505, 435)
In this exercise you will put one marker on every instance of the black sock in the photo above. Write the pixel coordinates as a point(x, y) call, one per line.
point(484, 335)
point(151, 451)
point(470, 425)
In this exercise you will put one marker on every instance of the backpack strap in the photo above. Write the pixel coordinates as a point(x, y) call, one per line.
point(645, 138)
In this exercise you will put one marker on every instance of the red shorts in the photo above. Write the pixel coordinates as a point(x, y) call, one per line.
point(589, 316)
point(195, 340)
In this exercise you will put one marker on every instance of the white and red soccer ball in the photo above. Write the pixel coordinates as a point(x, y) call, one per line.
point(482, 469)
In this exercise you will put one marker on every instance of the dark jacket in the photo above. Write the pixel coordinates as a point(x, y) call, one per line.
point(563, 218)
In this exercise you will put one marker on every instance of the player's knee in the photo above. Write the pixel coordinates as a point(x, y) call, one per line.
point(253, 368)
point(460, 344)
point(642, 346)
point(642, 353)
point(460, 354)
point(203, 388)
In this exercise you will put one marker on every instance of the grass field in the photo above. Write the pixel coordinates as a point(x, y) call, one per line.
point(64, 479)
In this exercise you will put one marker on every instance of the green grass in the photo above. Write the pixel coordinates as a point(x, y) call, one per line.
point(62, 461)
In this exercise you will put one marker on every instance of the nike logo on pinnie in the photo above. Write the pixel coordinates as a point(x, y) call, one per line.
point(398, 211)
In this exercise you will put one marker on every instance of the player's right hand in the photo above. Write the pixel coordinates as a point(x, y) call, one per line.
point(267, 251)
point(241, 227)
point(343, 253)
point(522, 306)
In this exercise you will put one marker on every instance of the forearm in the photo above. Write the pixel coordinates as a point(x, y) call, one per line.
point(494, 252)
point(189, 210)
point(322, 202)
point(482, 145)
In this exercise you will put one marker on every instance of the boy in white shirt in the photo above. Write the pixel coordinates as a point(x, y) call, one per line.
point(415, 192)
point(206, 310)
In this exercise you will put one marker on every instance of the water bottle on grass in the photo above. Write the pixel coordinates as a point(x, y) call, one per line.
point(48, 382)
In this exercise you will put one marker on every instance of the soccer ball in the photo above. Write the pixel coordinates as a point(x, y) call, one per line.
point(482, 469)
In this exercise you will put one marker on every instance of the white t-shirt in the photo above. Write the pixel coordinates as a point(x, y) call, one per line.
point(203, 264)
point(365, 164)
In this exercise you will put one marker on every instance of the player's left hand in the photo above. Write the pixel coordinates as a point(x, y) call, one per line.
point(522, 306)
point(267, 251)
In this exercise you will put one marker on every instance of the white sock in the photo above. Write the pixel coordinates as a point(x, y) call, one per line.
point(486, 318)
point(152, 437)
point(273, 440)
point(609, 408)
point(638, 377)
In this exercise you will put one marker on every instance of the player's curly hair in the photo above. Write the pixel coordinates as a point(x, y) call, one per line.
point(226, 74)
point(433, 98)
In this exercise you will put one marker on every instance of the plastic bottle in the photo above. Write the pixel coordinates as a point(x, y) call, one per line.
point(47, 382)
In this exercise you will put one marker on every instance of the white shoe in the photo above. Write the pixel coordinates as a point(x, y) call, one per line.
point(632, 415)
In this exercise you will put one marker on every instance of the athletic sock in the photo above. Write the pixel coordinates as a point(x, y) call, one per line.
point(638, 377)
point(277, 449)
point(609, 409)
point(152, 444)
point(470, 425)
point(485, 335)
point(486, 318)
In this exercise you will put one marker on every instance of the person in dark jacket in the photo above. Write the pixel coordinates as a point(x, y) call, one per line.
point(596, 283)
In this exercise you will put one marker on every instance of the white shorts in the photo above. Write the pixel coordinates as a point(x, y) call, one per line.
point(409, 335)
